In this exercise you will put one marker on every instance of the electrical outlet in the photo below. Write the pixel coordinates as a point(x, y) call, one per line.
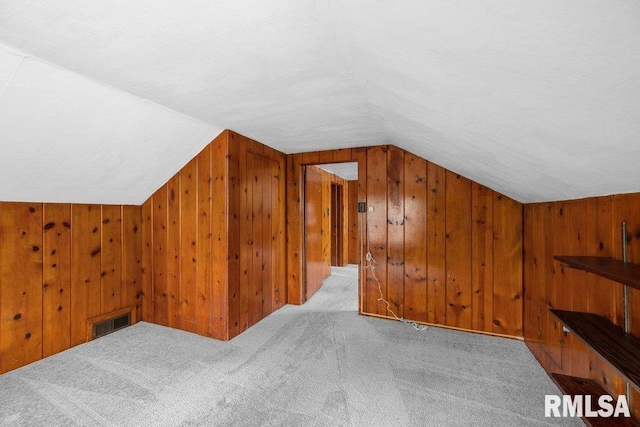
point(370, 208)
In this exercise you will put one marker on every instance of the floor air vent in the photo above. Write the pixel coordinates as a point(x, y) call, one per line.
point(111, 325)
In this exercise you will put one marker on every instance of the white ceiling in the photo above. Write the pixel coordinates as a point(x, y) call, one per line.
point(348, 171)
point(103, 101)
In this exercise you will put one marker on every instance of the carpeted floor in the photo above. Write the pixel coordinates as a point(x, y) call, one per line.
point(318, 364)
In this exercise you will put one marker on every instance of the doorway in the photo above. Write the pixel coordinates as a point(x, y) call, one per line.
point(328, 227)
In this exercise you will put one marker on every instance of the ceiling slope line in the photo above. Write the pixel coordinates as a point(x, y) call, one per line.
point(13, 51)
point(13, 73)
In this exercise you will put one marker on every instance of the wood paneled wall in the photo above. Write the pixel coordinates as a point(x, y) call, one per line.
point(577, 227)
point(448, 251)
point(213, 239)
point(60, 266)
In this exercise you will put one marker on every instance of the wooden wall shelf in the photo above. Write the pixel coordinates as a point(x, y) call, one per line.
point(581, 386)
point(622, 272)
point(618, 348)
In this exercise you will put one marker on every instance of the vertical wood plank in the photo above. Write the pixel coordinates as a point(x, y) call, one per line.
point(599, 242)
point(160, 282)
point(531, 249)
point(482, 258)
point(436, 244)
point(111, 276)
point(311, 158)
point(325, 156)
point(20, 284)
point(395, 231)
point(225, 308)
point(234, 175)
point(246, 235)
point(255, 171)
point(279, 228)
point(268, 237)
point(415, 234)
point(599, 214)
point(561, 299)
point(188, 246)
point(205, 311)
point(376, 278)
point(56, 304)
point(551, 230)
point(86, 248)
point(174, 274)
point(132, 259)
point(507, 247)
point(458, 251)
point(352, 208)
point(295, 241)
point(146, 269)
point(343, 155)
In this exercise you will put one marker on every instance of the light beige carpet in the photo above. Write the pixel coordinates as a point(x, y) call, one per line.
point(318, 364)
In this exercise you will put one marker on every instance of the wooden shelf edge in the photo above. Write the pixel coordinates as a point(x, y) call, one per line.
point(616, 347)
point(575, 386)
point(612, 269)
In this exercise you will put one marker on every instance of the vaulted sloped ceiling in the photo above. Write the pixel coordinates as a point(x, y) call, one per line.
point(102, 101)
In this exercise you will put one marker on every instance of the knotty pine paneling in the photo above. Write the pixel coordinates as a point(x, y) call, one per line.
point(188, 246)
point(174, 248)
point(214, 235)
point(111, 259)
point(132, 259)
point(589, 226)
point(395, 231)
point(61, 265)
point(146, 256)
point(458, 245)
point(415, 228)
point(507, 266)
point(266, 184)
point(448, 251)
point(21, 281)
point(56, 304)
point(482, 257)
point(86, 248)
point(353, 256)
point(376, 231)
point(159, 283)
point(436, 244)
point(205, 308)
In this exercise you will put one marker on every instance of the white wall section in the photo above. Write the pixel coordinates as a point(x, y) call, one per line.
point(538, 100)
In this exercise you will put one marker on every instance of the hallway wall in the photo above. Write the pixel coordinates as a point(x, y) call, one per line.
point(448, 251)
